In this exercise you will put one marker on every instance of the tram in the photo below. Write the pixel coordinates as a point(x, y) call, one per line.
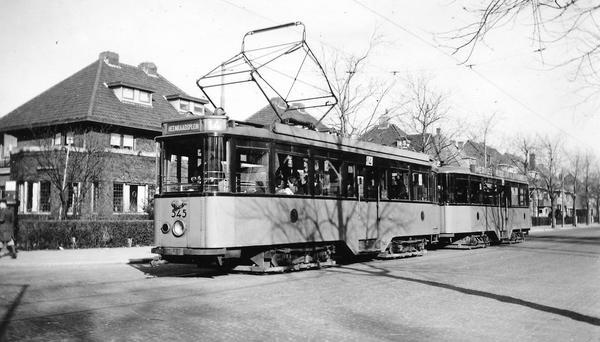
point(479, 206)
point(279, 197)
point(284, 197)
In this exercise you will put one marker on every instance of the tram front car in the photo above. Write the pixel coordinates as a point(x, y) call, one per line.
point(239, 195)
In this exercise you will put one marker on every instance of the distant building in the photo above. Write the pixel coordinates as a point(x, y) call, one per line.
point(119, 105)
point(294, 115)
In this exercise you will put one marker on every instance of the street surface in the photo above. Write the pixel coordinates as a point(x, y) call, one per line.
point(545, 289)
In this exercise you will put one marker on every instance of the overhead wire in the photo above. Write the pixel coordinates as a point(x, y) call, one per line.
point(470, 68)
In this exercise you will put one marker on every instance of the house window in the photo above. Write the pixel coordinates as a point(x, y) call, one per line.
point(45, 196)
point(118, 197)
point(115, 140)
point(58, 139)
point(144, 96)
point(29, 202)
point(198, 108)
point(128, 93)
point(184, 105)
point(70, 138)
point(128, 142)
point(73, 199)
point(124, 141)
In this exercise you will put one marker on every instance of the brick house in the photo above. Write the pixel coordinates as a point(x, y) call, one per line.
point(95, 130)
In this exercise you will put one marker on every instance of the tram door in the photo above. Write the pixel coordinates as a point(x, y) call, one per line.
point(503, 208)
point(368, 196)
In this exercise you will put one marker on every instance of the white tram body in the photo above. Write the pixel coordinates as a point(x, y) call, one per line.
point(218, 197)
point(479, 202)
point(222, 197)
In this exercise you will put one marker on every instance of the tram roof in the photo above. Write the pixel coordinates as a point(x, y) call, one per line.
point(301, 136)
point(481, 171)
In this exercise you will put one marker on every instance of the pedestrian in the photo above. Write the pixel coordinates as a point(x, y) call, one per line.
point(7, 229)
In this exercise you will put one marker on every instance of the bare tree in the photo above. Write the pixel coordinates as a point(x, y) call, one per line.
point(576, 161)
point(588, 181)
point(570, 22)
point(526, 148)
point(425, 108)
point(551, 169)
point(72, 161)
point(482, 131)
point(360, 98)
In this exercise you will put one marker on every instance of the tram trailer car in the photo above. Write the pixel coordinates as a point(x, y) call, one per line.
point(274, 198)
point(479, 206)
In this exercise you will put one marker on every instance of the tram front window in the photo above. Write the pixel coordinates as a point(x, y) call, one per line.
point(196, 164)
point(252, 170)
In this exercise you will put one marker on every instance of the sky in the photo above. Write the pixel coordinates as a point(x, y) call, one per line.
point(44, 42)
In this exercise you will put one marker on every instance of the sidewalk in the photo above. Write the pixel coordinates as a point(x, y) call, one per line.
point(559, 227)
point(132, 255)
point(91, 256)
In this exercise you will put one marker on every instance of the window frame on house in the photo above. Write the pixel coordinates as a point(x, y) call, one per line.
point(125, 93)
point(33, 200)
point(184, 105)
point(147, 98)
point(122, 141)
point(123, 194)
point(118, 190)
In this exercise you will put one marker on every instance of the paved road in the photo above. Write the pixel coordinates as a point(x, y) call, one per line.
point(546, 289)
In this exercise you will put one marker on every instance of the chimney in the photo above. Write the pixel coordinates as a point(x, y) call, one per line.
point(438, 131)
point(111, 58)
point(461, 144)
point(532, 162)
point(384, 120)
point(149, 68)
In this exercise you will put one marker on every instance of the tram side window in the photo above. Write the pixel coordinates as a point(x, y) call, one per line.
point(327, 177)
point(433, 187)
point(252, 171)
point(351, 181)
point(523, 196)
point(461, 190)
point(399, 184)
point(291, 174)
point(371, 182)
point(490, 192)
point(514, 196)
point(383, 184)
point(420, 182)
point(475, 191)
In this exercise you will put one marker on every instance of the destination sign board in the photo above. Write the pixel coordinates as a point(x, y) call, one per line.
point(186, 126)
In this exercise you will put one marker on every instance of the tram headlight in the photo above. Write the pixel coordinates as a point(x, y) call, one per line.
point(178, 228)
point(165, 228)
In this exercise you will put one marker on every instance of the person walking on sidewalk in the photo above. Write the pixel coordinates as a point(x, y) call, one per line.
point(7, 229)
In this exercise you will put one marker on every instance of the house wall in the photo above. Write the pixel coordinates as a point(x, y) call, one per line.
point(132, 171)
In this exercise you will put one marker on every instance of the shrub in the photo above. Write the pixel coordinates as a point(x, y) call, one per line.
point(51, 234)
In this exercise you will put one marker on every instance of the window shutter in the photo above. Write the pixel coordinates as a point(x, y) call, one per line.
point(125, 198)
point(36, 197)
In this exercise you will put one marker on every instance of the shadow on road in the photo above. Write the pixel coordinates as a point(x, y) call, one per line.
point(10, 312)
point(380, 272)
point(179, 271)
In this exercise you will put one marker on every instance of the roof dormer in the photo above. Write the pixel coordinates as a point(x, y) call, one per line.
point(184, 103)
point(131, 92)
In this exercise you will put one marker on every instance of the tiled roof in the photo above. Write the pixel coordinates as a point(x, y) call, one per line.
point(384, 135)
point(84, 96)
point(266, 116)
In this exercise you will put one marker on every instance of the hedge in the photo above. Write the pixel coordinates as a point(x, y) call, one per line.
point(51, 234)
